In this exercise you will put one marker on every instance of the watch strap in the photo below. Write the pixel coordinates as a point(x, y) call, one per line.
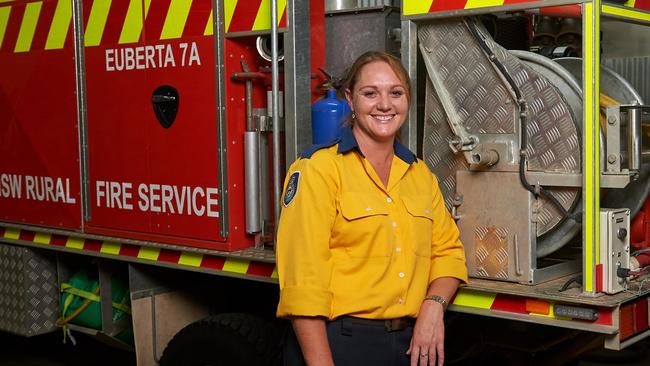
point(439, 299)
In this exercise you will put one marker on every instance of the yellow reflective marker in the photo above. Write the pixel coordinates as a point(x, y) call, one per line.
point(472, 4)
point(209, 27)
point(149, 253)
point(228, 11)
point(28, 27)
point(411, 7)
point(626, 13)
point(235, 265)
point(42, 238)
point(263, 17)
point(176, 18)
point(60, 25)
point(474, 299)
point(74, 243)
point(12, 233)
point(133, 22)
point(190, 259)
point(109, 247)
point(4, 20)
point(96, 22)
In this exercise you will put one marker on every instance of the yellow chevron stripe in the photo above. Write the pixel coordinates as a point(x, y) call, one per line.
point(74, 243)
point(42, 238)
point(147, 4)
point(12, 233)
point(176, 18)
point(133, 23)
point(228, 11)
point(60, 25)
point(275, 273)
point(96, 22)
point(149, 253)
point(263, 17)
point(109, 247)
point(28, 27)
point(410, 7)
point(6, 1)
point(630, 3)
point(235, 265)
point(209, 27)
point(474, 299)
point(4, 20)
point(472, 4)
point(190, 259)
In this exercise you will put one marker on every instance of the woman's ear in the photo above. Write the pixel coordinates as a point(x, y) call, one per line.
point(348, 97)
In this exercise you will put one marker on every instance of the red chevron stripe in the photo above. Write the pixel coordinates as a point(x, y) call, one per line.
point(197, 18)
point(642, 4)
point(511, 304)
point(260, 269)
point(2, 232)
point(114, 22)
point(58, 240)
point(26, 235)
point(244, 15)
point(212, 262)
point(169, 256)
point(445, 5)
point(129, 250)
point(92, 245)
point(155, 20)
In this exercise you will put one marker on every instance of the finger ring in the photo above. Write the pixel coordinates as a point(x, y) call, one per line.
point(424, 354)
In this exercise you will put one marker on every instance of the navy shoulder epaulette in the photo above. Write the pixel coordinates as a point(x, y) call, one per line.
point(311, 150)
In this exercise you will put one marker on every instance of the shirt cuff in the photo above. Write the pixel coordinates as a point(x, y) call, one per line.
point(448, 267)
point(300, 301)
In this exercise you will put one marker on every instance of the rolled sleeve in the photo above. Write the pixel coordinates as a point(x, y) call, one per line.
point(303, 253)
point(448, 254)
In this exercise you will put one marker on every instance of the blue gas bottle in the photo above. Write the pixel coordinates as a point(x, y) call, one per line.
point(327, 117)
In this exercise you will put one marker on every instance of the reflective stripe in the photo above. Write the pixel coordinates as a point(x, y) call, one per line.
point(190, 259)
point(275, 273)
point(176, 18)
point(629, 3)
point(133, 23)
point(110, 248)
point(626, 13)
point(42, 238)
point(96, 22)
point(472, 4)
point(236, 266)
point(416, 6)
point(229, 10)
point(60, 25)
point(12, 233)
point(74, 243)
point(4, 20)
point(475, 299)
point(263, 18)
point(209, 27)
point(591, 87)
point(28, 27)
point(149, 253)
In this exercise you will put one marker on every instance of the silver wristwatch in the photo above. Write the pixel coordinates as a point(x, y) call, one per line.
point(439, 299)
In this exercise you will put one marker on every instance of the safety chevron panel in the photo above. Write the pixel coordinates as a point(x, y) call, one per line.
point(518, 305)
point(415, 7)
point(251, 15)
point(45, 25)
point(152, 255)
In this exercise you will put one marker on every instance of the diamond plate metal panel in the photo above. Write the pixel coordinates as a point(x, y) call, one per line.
point(491, 252)
point(485, 105)
point(29, 296)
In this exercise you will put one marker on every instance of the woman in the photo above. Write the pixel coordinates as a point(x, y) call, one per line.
point(365, 244)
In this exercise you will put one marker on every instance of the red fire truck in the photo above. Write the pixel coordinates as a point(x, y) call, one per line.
point(144, 144)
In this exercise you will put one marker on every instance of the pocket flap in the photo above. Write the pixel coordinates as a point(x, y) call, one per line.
point(356, 205)
point(419, 206)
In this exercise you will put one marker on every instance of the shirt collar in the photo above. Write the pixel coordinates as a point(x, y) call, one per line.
point(348, 142)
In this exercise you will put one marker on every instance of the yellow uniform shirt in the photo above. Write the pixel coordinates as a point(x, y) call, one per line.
point(347, 245)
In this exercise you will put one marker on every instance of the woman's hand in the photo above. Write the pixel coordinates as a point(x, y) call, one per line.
point(428, 342)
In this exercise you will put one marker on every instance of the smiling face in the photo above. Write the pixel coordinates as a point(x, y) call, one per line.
point(379, 100)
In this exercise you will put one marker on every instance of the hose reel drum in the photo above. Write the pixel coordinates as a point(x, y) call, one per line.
point(480, 98)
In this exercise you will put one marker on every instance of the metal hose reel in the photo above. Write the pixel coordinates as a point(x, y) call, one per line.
point(479, 97)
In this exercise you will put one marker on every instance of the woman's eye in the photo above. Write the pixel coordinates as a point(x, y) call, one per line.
point(397, 93)
point(369, 93)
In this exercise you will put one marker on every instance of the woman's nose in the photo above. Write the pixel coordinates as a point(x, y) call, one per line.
point(384, 102)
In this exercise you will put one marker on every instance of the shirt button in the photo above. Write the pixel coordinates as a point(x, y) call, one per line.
point(398, 249)
point(401, 301)
point(389, 200)
point(368, 209)
point(401, 275)
point(394, 224)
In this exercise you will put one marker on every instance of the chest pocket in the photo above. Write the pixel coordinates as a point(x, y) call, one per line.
point(421, 219)
point(364, 232)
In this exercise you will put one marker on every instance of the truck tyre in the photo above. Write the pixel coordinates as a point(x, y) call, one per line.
point(231, 339)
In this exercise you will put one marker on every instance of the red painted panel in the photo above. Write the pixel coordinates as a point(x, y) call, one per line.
point(604, 317)
point(641, 315)
point(626, 321)
point(512, 304)
point(642, 4)
point(39, 168)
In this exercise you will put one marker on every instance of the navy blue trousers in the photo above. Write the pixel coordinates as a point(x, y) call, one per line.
point(355, 344)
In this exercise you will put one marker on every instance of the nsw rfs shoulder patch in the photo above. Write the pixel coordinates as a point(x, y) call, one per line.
point(292, 188)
